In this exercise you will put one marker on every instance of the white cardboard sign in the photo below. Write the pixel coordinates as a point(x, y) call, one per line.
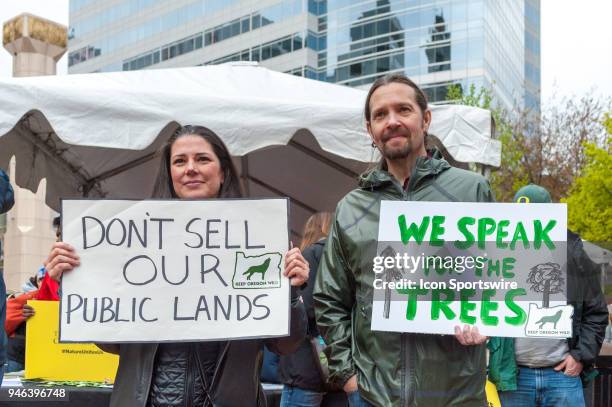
point(175, 270)
point(500, 267)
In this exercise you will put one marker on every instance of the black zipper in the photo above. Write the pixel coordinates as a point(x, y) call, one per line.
point(189, 376)
point(407, 347)
point(215, 378)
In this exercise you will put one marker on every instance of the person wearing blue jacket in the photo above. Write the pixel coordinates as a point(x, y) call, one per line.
point(7, 200)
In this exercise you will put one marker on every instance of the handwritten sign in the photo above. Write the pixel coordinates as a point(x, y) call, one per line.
point(501, 267)
point(171, 270)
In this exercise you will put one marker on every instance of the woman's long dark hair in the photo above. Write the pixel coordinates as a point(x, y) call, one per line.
point(230, 188)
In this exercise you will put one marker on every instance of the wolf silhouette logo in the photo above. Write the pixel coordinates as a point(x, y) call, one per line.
point(553, 319)
point(553, 322)
point(267, 266)
point(261, 268)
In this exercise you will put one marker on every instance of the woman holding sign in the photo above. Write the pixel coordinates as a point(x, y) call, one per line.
point(195, 164)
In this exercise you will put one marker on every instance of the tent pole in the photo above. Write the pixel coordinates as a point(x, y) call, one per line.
point(244, 162)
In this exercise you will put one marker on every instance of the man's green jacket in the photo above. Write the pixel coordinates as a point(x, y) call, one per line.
point(393, 369)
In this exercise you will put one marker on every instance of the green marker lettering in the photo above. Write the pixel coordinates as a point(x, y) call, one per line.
point(469, 237)
point(486, 226)
point(541, 235)
point(519, 234)
point(487, 306)
point(412, 294)
point(501, 234)
point(437, 230)
point(438, 305)
point(467, 306)
point(417, 232)
point(520, 314)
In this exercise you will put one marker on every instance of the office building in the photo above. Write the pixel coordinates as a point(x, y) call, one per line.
point(490, 43)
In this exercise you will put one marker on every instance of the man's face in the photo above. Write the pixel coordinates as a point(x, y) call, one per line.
point(396, 124)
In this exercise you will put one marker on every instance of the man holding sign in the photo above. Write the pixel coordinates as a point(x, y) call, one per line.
point(388, 368)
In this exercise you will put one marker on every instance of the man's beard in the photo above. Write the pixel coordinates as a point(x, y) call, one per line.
point(399, 152)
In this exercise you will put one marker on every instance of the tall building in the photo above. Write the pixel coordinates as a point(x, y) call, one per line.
point(491, 43)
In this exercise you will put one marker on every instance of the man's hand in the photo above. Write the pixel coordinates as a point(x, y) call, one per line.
point(27, 311)
point(570, 366)
point(350, 385)
point(469, 335)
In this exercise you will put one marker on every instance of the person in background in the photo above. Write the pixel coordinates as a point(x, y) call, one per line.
point(48, 287)
point(17, 314)
point(301, 371)
point(269, 367)
point(551, 372)
point(7, 200)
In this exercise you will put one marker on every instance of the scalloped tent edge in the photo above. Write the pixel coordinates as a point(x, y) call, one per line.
point(97, 134)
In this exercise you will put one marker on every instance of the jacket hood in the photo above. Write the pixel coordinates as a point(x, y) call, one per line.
point(425, 166)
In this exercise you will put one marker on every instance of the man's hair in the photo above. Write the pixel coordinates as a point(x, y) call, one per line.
point(421, 99)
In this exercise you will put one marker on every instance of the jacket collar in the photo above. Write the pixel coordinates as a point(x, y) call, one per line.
point(424, 167)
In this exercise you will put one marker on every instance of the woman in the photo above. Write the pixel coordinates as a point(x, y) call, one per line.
point(301, 371)
point(195, 164)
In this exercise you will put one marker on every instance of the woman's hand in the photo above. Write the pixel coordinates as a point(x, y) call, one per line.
point(296, 267)
point(61, 259)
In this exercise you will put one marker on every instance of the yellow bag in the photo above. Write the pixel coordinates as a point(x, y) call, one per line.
point(47, 359)
point(492, 396)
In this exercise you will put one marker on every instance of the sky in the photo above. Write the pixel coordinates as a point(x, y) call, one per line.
point(576, 43)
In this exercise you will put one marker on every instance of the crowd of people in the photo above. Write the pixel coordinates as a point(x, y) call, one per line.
point(332, 357)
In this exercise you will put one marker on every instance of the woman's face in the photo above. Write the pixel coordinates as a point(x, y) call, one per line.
point(195, 169)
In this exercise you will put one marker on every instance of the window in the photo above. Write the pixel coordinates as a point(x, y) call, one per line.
point(246, 25)
point(256, 21)
point(297, 42)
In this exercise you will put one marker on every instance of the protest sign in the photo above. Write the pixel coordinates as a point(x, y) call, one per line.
point(500, 267)
point(48, 359)
point(175, 270)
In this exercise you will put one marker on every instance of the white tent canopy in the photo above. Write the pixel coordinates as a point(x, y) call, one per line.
point(97, 134)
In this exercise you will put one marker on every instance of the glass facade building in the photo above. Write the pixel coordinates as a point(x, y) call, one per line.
point(491, 43)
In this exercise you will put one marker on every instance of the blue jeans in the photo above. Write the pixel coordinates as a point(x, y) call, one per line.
point(355, 400)
point(296, 397)
point(544, 387)
point(13, 366)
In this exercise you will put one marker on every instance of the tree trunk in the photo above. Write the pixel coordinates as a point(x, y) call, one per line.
point(546, 299)
point(387, 307)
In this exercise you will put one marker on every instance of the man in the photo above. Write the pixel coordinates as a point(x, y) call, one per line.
point(550, 370)
point(6, 203)
point(384, 368)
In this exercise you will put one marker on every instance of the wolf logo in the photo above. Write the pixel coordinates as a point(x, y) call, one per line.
point(261, 268)
point(553, 319)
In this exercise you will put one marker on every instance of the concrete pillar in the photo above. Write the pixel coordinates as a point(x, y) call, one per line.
point(36, 45)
